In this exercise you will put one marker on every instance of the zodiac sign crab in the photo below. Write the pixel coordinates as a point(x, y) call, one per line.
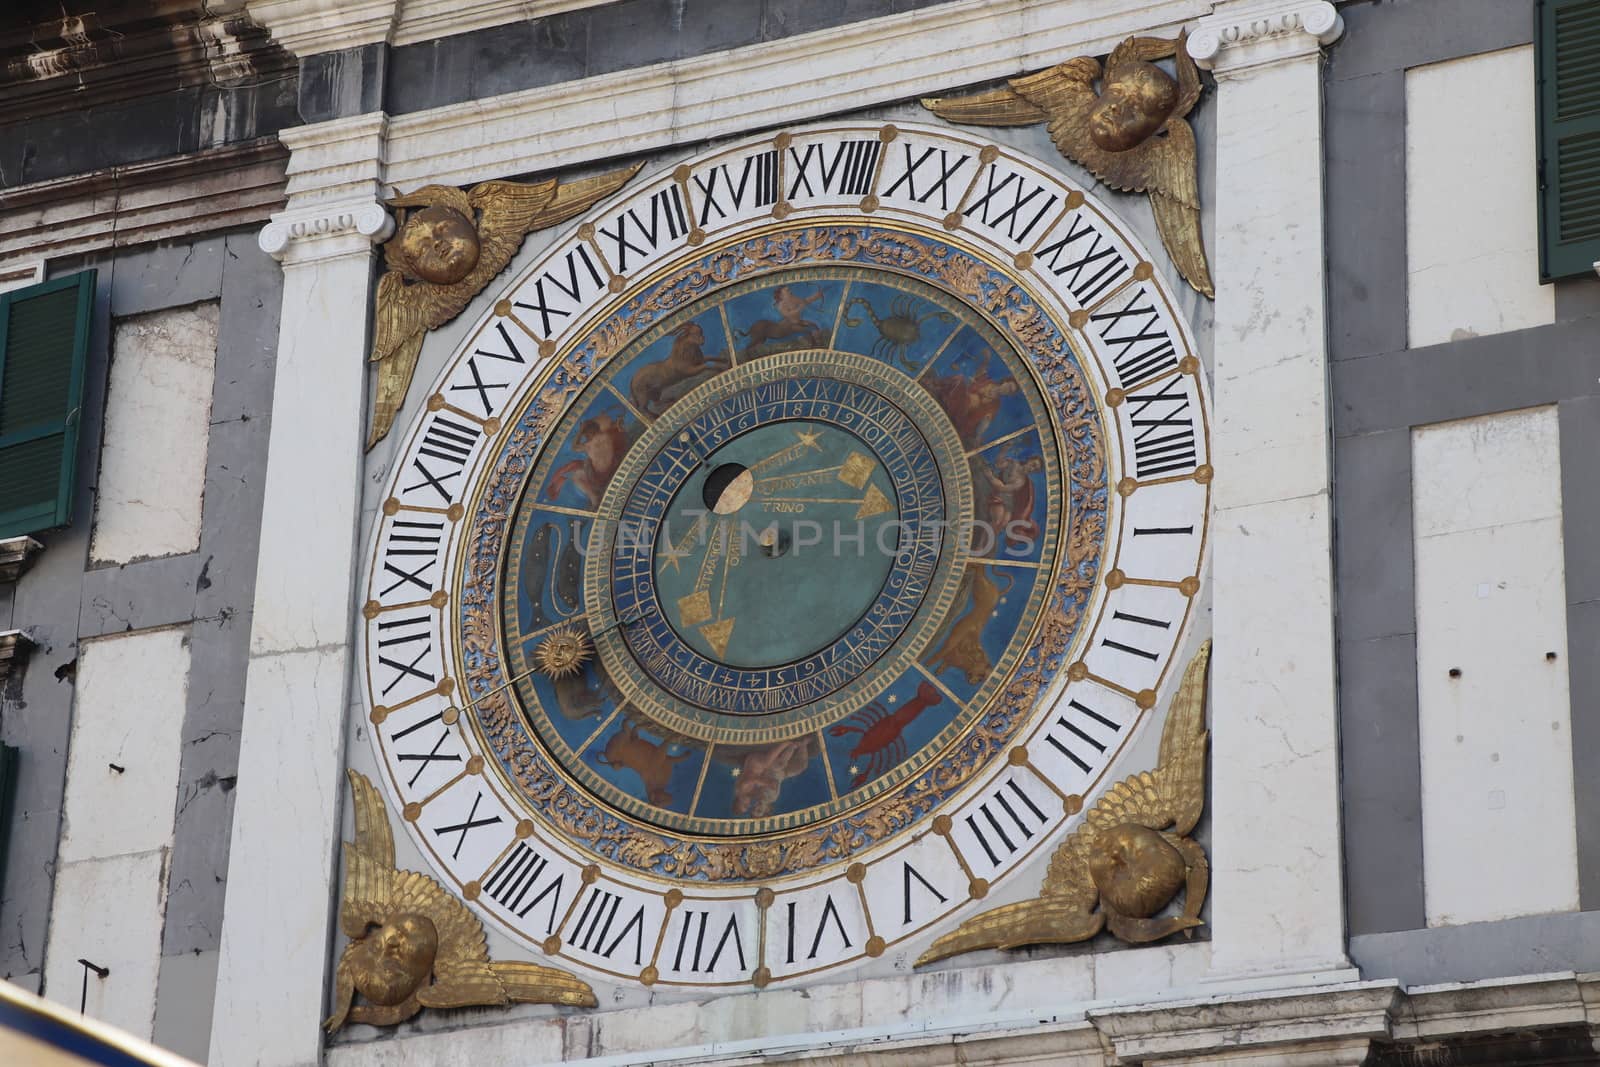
point(898, 330)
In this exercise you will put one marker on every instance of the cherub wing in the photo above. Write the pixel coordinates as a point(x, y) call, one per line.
point(1062, 913)
point(368, 861)
point(463, 974)
point(399, 326)
point(510, 210)
point(1181, 775)
point(344, 990)
point(1175, 199)
point(530, 983)
point(1171, 796)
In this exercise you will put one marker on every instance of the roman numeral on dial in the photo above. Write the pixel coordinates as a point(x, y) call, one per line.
point(721, 193)
point(1005, 822)
point(1011, 202)
point(843, 168)
point(928, 172)
point(1138, 335)
point(447, 444)
point(704, 939)
point(410, 552)
point(405, 651)
point(1163, 428)
point(598, 930)
point(631, 238)
point(1086, 260)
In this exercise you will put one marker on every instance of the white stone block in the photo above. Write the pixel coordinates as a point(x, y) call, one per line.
point(132, 692)
point(158, 420)
point(281, 861)
point(109, 911)
point(1496, 745)
point(1270, 434)
point(1486, 472)
point(1276, 897)
point(1471, 199)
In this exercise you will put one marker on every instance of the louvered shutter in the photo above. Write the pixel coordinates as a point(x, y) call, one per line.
point(1567, 42)
point(44, 341)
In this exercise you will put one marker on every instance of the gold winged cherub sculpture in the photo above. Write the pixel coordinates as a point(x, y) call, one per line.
point(448, 245)
point(413, 945)
point(1132, 134)
point(1129, 858)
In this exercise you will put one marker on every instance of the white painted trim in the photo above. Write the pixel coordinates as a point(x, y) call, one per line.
point(723, 93)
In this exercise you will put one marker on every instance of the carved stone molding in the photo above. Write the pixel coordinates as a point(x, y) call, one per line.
point(335, 179)
point(14, 648)
point(160, 200)
point(325, 231)
point(307, 27)
point(1243, 34)
point(16, 556)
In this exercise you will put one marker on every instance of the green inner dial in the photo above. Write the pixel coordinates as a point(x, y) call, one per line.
point(754, 529)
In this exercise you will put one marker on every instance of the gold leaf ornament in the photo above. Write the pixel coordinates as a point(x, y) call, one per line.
point(413, 945)
point(448, 244)
point(1128, 860)
point(1131, 134)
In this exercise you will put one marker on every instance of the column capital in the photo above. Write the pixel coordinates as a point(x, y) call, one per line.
point(335, 183)
point(323, 231)
point(1241, 34)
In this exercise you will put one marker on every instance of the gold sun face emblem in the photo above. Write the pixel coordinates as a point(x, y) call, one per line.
point(563, 653)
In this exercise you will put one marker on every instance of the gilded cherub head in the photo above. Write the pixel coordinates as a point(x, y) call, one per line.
point(1136, 99)
point(439, 244)
point(395, 960)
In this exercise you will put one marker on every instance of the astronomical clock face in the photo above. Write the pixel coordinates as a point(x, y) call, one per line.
point(786, 556)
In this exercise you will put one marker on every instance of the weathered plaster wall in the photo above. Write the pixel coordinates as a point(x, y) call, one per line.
point(200, 597)
point(1386, 384)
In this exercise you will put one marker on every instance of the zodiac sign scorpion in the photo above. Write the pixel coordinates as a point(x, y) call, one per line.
point(880, 729)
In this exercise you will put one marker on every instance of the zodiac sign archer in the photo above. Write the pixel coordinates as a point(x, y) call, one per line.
point(898, 330)
point(881, 742)
point(789, 305)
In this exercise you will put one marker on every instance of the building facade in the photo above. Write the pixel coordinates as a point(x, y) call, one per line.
point(1133, 597)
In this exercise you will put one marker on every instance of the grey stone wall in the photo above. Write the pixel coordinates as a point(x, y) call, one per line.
point(62, 600)
point(1381, 389)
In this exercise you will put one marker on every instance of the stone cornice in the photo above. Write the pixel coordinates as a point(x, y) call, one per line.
point(161, 200)
point(107, 57)
point(1351, 1013)
point(684, 102)
point(1242, 34)
point(309, 27)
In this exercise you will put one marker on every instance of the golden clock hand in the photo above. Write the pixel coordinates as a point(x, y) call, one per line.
point(729, 562)
point(807, 443)
point(677, 553)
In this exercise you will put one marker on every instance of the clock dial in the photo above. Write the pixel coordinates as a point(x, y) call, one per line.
point(784, 559)
point(777, 561)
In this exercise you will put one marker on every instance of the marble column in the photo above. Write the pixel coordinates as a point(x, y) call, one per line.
point(1277, 898)
point(272, 975)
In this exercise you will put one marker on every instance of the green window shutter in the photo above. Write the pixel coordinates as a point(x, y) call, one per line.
point(1567, 46)
point(44, 344)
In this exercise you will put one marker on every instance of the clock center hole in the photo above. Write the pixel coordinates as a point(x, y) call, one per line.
point(728, 488)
